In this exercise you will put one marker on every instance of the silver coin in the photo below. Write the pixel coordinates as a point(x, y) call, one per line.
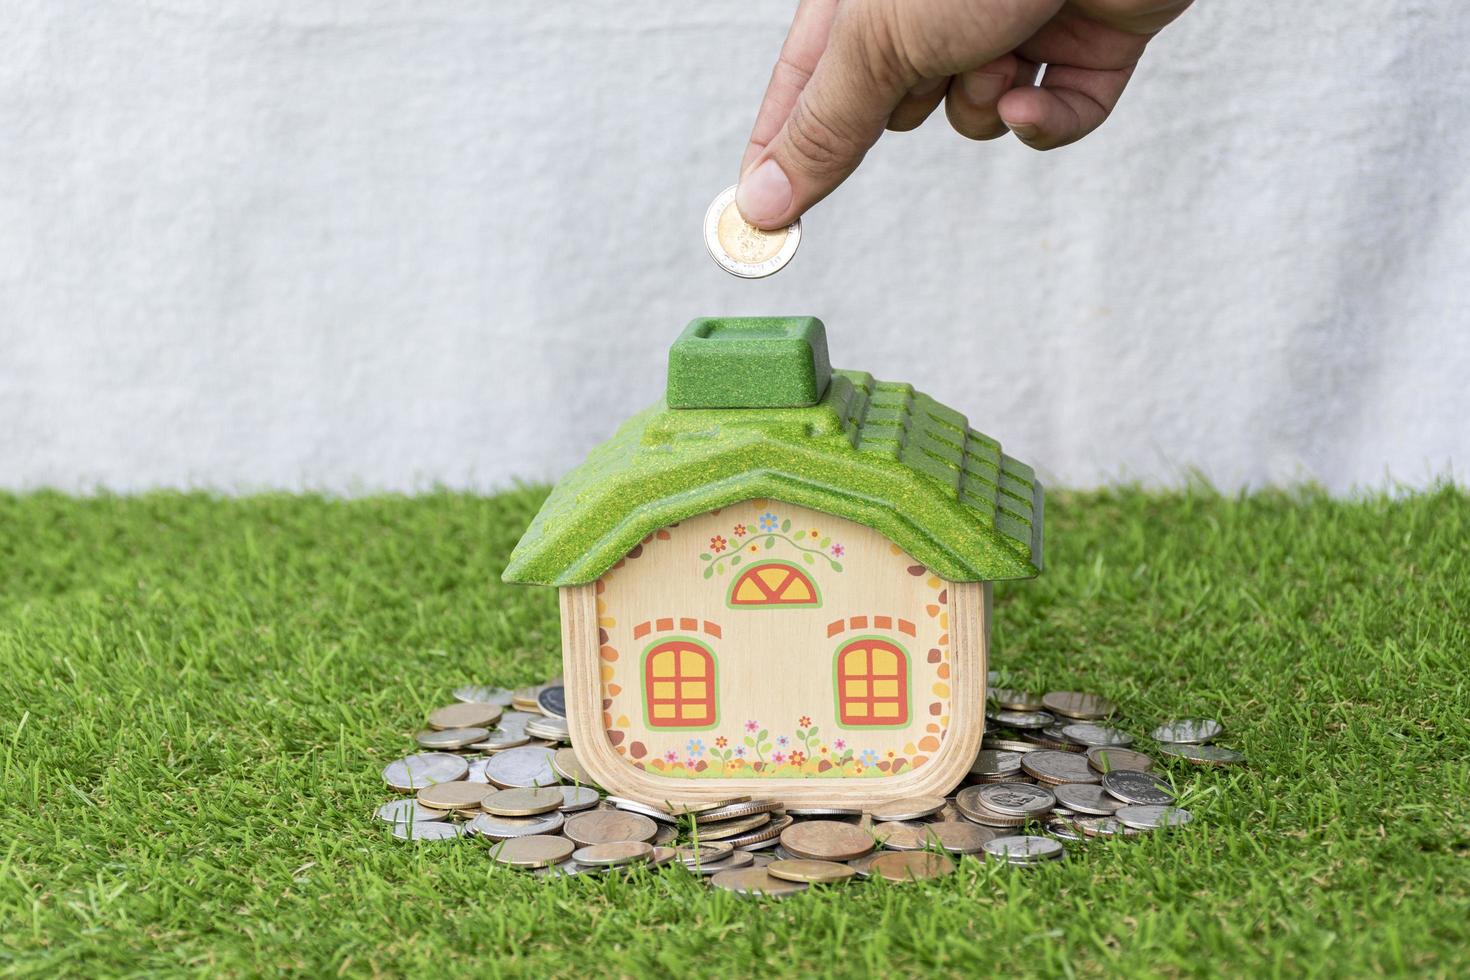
point(1022, 719)
point(731, 861)
point(499, 741)
point(414, 772)
point(552, 700)
point(1103, 827)
point(995, 762)
point(473, 694)
point(1055, 766)
point(1094, 735)
point(450, 738)
point(1007, 745)
point(504, 828)
point(1203, 755)
point(1140, 788)
point(1064, 830)
point(1088, 798)
point(408, 811)
point(529, 765)
point(1017, 799)
point(613, 853)
point(908, 808)
point(436, 830)
point(1153, 817)
point(824, 812)
point(736, 810)
point(555, 729)
point(578, 798)
point(1191, 731)
point(636, 806)
point(742, 249)
point(477, 771)
point(1014, 699)
point(511, 721)
point(1025, 849)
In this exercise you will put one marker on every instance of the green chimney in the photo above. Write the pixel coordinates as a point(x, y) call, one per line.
point(749, 362)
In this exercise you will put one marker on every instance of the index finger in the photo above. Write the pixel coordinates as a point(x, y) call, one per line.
point(805, 42)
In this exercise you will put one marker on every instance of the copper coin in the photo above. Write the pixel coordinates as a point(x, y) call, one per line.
point(466, 714)
point(909, 808)
point(667, 834)
point(732, 828)
point(1078, 704)
point(615, 853)
point(570, 768)
point(811, 872)
point(1108, 759)
point(454, 796)
point(756, 882)
point(1014, 699)
point(960, 837)
point(536, 851)
point(524, 802)
point(883, 832)
point(910, 866)
point(826, 840)
point(609, 826)
point(1052, 766)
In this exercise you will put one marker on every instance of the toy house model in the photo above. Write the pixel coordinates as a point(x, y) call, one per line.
point(776, 581)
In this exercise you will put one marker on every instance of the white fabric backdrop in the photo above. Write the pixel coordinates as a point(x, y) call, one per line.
point(374, 245)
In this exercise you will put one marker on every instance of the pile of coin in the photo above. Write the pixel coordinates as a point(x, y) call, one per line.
point(1054, 769)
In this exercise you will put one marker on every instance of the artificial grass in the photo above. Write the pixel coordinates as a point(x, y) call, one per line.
point(199, 694)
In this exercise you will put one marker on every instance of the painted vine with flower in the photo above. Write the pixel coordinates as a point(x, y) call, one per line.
point(812, 544)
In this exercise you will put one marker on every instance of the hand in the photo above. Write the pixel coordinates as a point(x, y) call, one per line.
point(851, 69)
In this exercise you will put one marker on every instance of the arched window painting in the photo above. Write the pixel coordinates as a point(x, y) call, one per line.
point(872, 683)
point(774, 583)
point(679, 684)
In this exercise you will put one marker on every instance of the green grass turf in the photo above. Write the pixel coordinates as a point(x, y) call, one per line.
point(198, 695)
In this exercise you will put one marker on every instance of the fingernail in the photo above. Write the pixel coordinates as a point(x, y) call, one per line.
point(1025, 131)
point(928, 86)
point(764, 194)
point(982, 88)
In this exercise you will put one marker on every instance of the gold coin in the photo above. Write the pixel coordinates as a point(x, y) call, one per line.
point(525, 802)
point(763, 835)
point(1105, 760)
point(826, 840)
point(909, 808)
point(756, 882)
point(536, 851)
point(570, 768)
point(464, 715)
point(811, 872)
point(609, 826)
point(742, 249)
point(910, 865)
point(454, 796)
point(735, 810)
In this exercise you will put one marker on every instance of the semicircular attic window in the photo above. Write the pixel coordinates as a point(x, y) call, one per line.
point(774, 583)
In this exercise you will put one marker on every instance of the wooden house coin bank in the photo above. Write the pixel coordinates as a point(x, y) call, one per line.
point(776, 581)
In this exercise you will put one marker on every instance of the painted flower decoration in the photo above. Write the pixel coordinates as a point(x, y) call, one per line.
point(782, 741)
point(753, 549)
point(798, 757)
point(739, 530)
point(824, 750)
point(869, 757)
point(857, 769)
point(778, 757)
point(768, 521)
point(816, 533)
point(751, 726)
point(721, 741)
point(739, 751)
point(671, 756)
point(838, 551)
point(696, 746)
point(805, 721)
point(717, 544)
point(691, 763)
point(840, 744)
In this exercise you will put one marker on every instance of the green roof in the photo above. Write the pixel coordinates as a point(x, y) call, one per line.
point(875, 452)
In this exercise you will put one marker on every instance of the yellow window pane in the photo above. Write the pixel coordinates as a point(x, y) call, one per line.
point(885, 689)
point(694, 690)
point(857, 711)
point(797, 591)
point(855, 662)
point(697, 715)
point(885, 709)
point(661, 664)
point(772, 576)
point(663, 690)
point(691, 663)
point(885, 662)
point(749, 592)
point(663, 711)
point(857, 689)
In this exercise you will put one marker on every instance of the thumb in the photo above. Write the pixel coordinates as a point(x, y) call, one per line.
point(841, 112)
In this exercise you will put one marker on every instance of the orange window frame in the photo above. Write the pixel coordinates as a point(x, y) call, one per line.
point(870, 696)
point(679, 684)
